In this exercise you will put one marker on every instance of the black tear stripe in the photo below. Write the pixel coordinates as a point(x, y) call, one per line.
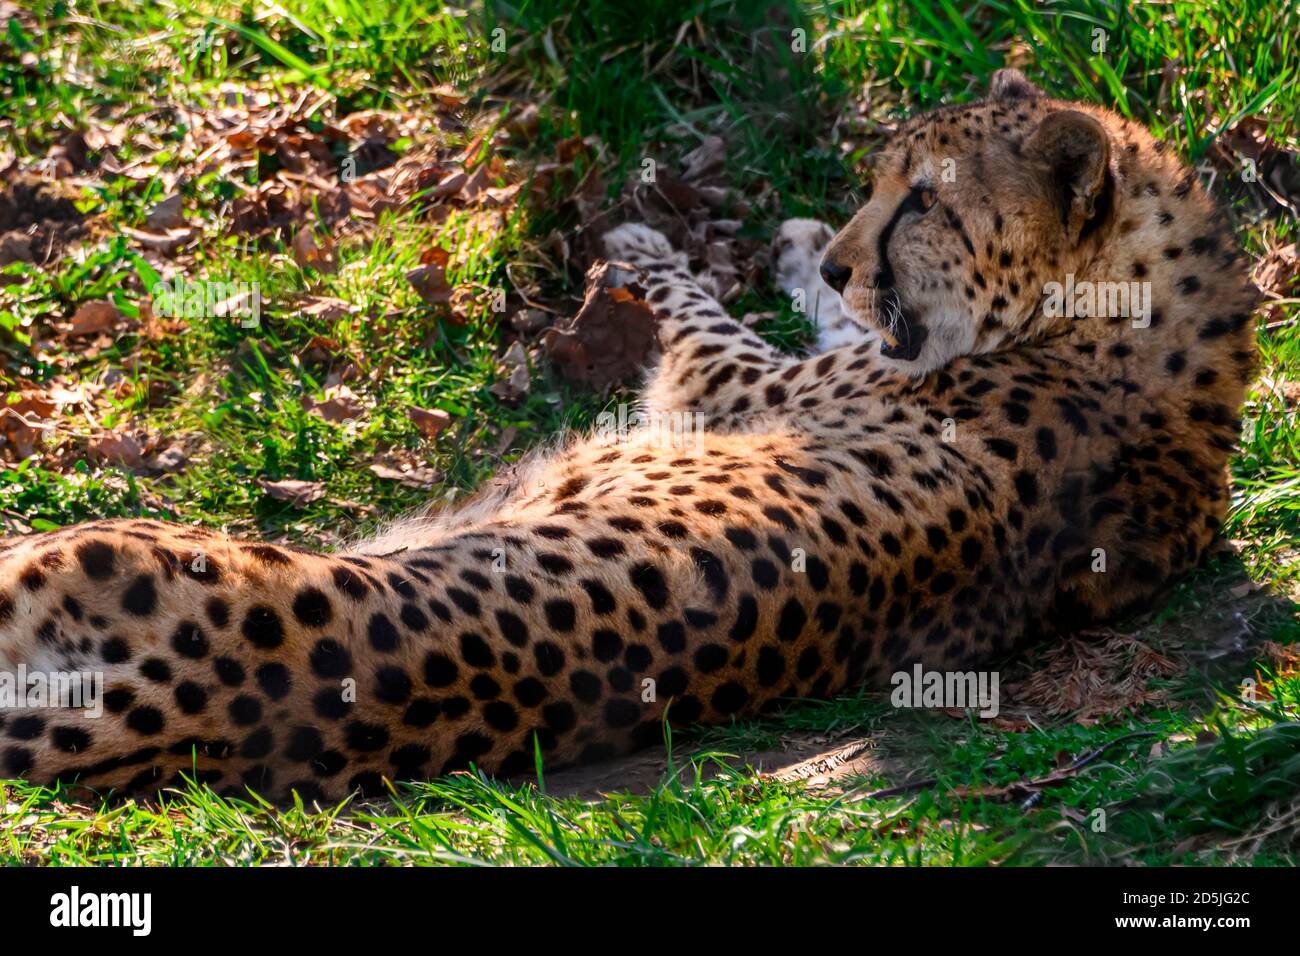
point(885, 274)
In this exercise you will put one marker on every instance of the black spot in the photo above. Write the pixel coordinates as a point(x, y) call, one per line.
point(793, 617)
point(746, 619)
point(602, 602)
point(484, 687)
point(327, 763)
point(649, 580)
point(145, 720)
point(329, 658)
point(18, 760)
point(809, 661)
point(620, 712)
point(465, 601)
point(729, 698)
point(771, 666)
point(519, 589)
point(97, 559)
point(156, 669)
point(414, 618)
point(512, 628)
point(439, 670)
point(560, 614)
point(1027, 488)
point(218, 611)
point(556, 564)
point(475, 650)
point(245, 710)
point(710, 658)
point(70, 739)
point(549, 657)
point(262, 627)
point(672, 636)
point(500, 716)
point(606, 645)
point(530, 691)
point(140, 598)
point(115, 650)
point(312, 607)
point(328, 702)
point(274, 680)
point(28, 727)
point(366, 737)
point(421, 713)
point(383, 635)
point(118, 699)
point(190, 641)
point(229, 671)
point(304, 743)
point(191, 698)
point(765, 574)
point(1046, 441)
point(350, 583)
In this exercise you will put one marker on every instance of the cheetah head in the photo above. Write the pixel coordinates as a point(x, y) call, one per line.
point(972, 209)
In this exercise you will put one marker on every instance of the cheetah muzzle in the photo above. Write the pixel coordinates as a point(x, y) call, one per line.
point(938, 500)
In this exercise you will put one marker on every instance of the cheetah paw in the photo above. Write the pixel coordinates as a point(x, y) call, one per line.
point(798, 249)
point(639, 245)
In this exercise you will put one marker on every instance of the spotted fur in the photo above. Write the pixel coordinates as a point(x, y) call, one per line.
point(846, 515)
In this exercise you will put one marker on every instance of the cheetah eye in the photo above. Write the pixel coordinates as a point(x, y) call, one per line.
point(926, 197)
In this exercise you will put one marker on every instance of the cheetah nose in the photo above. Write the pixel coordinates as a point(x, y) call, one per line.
point(835, 275)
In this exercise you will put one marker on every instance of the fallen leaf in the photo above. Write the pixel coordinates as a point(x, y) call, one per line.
point(429, 279)
point(528, 321)
point(165, 215)
point(339, 405)
point(295, 492)
point(1244, 588)
point(311, 253)
point(430, 421)
point(516, 382)
point(170, 460)
point(411, 477)
point(611, 338)
point(168, 242)
point(22, 423)
point(118, 448)
point(94, 317)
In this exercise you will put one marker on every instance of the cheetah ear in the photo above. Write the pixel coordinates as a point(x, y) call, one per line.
point(1010, 84)
point(1073, 153)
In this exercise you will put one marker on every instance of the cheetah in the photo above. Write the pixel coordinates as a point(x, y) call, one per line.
point(935, 486)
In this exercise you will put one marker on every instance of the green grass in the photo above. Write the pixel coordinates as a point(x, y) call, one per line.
point(801, 113)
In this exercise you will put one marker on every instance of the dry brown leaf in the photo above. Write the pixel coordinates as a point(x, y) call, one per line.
point(170, 460)
point(611, 338)
point(430, 421)
point(516, 381)
point(411, 476)
point(93, 318)
point(296, 492)
point(119, 448)
point(340, 404)
point(22, 422)
point(429, 279)
point(165, 215)
point(311, 252)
